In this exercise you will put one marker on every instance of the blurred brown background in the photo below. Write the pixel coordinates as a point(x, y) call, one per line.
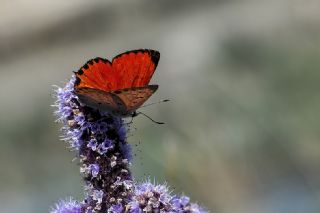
point(242, 129)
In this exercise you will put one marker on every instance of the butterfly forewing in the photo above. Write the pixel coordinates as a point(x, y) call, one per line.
point(96, 73)
point(127, 70)
point(135, 67)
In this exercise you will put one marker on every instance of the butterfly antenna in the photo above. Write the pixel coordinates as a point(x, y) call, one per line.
point(149, 118)
point(161, 101)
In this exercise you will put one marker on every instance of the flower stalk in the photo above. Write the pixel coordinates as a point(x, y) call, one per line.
point(99, 140)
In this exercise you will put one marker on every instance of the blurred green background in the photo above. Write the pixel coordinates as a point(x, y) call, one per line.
point(242, 129)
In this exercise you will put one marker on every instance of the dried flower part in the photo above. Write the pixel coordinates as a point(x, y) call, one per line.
point(99, 140)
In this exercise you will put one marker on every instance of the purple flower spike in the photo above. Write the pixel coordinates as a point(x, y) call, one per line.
point(94, 170)
point(184, 200)
point(92, 144)
point(68, 206)
point(105, 146)
point(99, 140)
point(97, 195)
point(115, 209)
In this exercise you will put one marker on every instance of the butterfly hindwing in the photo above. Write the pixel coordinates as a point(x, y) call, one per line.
point(133, 98)
point(99, 99)
point(119, 102)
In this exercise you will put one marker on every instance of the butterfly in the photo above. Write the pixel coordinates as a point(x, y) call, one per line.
point(120, 86)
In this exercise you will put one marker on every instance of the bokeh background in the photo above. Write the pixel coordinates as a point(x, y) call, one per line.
point(242, 130)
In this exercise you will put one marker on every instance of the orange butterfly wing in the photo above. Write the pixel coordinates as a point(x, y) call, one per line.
point(121, 86)
point(130, 69)
point(96, 73)
point(135, 68)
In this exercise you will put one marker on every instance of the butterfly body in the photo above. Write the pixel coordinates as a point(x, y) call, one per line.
point(119, 87)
